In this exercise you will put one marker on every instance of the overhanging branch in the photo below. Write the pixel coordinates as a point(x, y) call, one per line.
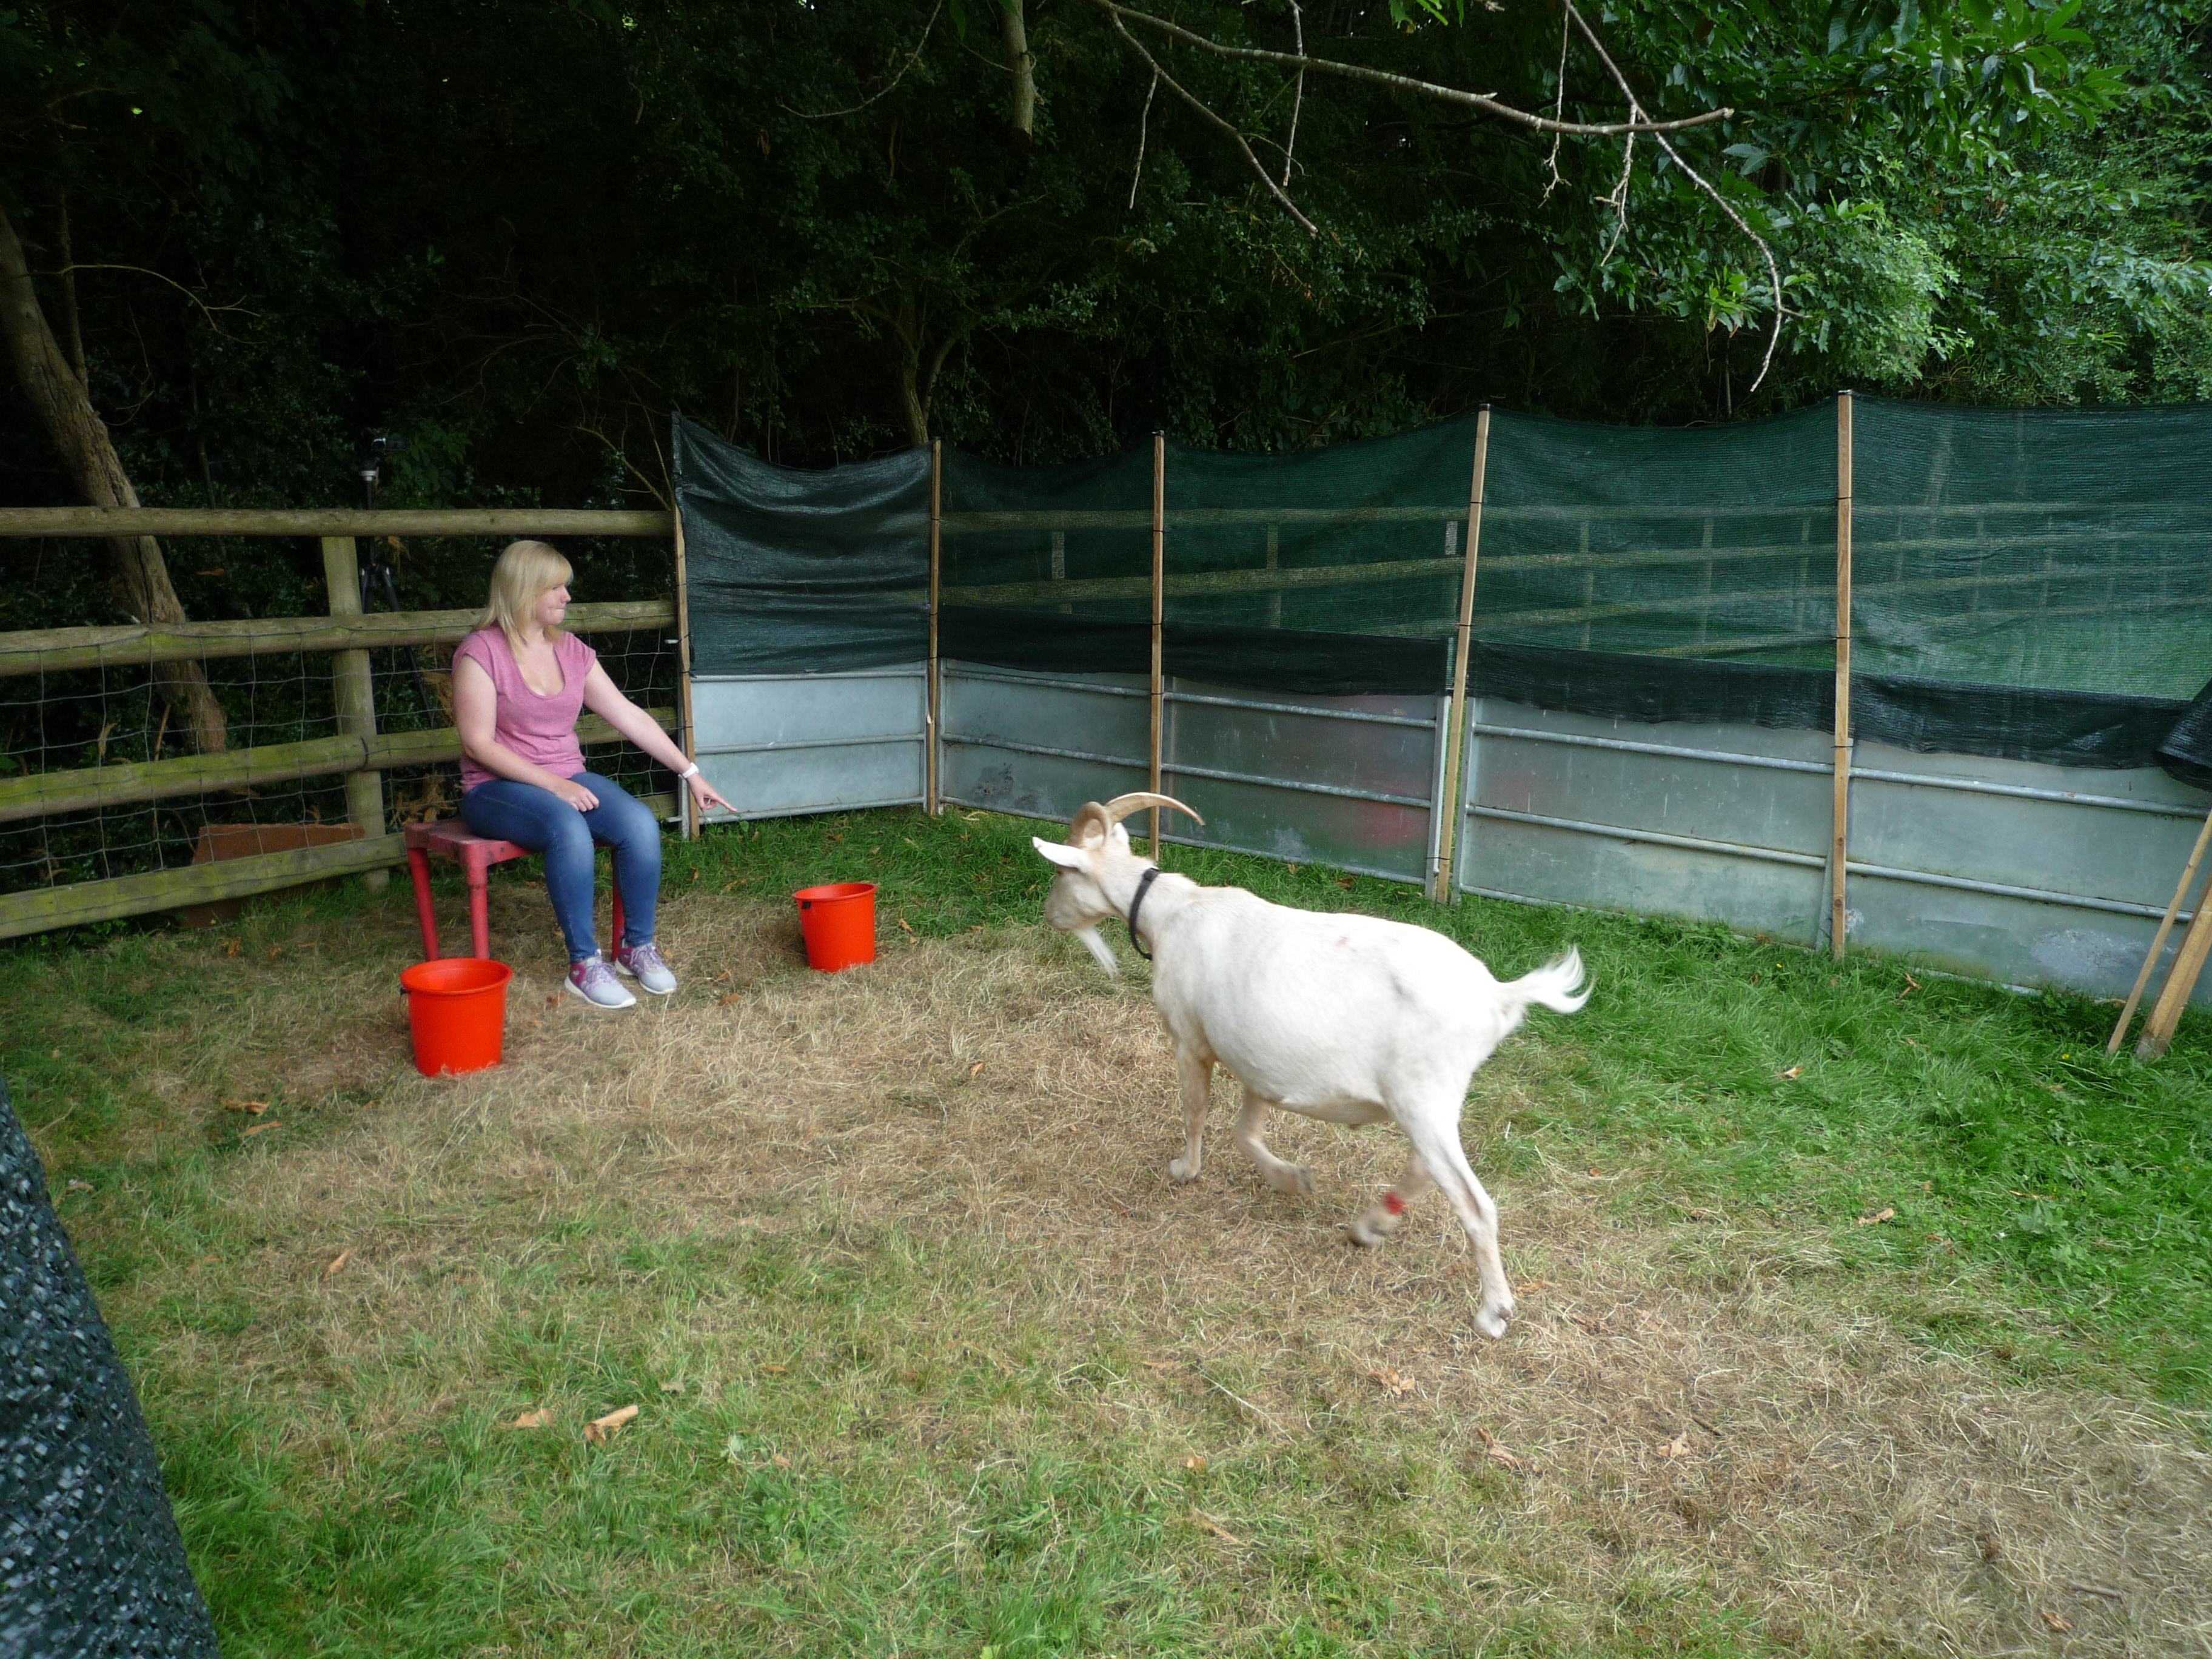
point(1302, 62)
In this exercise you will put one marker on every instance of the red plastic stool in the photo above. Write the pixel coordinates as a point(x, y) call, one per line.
point(449, 838)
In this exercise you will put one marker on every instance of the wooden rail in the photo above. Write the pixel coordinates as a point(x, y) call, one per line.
point(46, 908)
point(44, 794)
point(51, 650)
point(327, 521)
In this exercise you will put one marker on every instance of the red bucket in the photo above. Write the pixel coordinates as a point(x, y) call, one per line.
point(839, 922)
point(456, 1008)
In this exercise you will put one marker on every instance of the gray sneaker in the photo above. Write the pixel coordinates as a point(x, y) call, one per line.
point(643, 964)
point(591, 980)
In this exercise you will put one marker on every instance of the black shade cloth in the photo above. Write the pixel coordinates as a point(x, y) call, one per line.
point(2021, 589)
point(2059, 728)
point(90, 1558)
point(1282, 659)
point(2186, 749)
point(802, 573)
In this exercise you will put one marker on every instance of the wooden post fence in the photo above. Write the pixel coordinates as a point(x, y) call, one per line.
point(1839, 849)
point(357, 752)
point(1455, 736)
point(354, 693)
point(2158, 942)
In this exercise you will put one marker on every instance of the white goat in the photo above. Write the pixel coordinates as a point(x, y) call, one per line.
point(1348, 1018)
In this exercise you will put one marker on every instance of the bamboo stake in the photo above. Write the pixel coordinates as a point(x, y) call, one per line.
point(1447, 842)
point(2180, 981)
point(2158, 939)
point(1839, 849)
point(686, 803)
point(932, 803)
point(354, 692)
point(1159, 595)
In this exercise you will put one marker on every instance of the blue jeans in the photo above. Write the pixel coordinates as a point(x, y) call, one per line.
point(540, 820)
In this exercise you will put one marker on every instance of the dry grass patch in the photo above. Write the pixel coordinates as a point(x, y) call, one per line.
point(1688, 1423)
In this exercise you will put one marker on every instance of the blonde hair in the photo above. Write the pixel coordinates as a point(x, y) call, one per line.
point(527, 571)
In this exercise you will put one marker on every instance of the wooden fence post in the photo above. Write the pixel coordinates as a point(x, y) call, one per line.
point(1454, 739)
point(1159, 594)
point(2180, 981)
point(356, 695)
point(687, 805)
point(932, 799)
point(1839, 849)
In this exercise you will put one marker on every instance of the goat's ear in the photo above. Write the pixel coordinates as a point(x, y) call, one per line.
point(1066, 857)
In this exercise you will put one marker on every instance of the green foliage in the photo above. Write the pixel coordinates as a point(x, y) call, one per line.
point(519, 234)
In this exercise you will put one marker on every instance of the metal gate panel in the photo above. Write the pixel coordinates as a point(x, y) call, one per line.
point(2010, 870)
point(777, 745)
point(1719, 823)
point(1348, 781)
point(1039, 745)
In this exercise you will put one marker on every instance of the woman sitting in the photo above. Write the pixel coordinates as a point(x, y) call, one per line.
point(518, 684)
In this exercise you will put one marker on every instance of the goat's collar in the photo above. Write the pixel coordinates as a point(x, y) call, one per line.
point(1144, 886)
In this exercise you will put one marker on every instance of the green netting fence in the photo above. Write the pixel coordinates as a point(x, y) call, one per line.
point(2029, 584)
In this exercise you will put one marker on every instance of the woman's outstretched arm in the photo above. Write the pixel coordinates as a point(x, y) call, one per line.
point(605, 699)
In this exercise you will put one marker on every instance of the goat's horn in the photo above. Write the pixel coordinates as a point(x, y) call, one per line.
point(1121, 806)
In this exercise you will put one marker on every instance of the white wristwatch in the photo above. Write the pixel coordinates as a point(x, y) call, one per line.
point(688, 773)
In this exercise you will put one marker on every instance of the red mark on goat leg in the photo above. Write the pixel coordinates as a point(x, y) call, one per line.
point(1394, 1203)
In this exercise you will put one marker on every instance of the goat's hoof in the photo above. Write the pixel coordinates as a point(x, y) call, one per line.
point(1180, 1172)
point(1291, 1178)
point(1492, 1321)
point(1364, 1233)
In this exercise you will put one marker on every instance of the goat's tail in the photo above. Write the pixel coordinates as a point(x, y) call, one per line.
point(1558, 984)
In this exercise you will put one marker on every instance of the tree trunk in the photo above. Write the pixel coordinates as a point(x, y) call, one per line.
point(914, 396)
point(1016, 32)
point(50, 385)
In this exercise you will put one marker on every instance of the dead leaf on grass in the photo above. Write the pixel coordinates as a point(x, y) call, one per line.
point(1882, 1215)
point(1498, 1454)
point(1393, 1384)
point(537, 1419)
point(977, 1070)
point(256, 1107)
point(672, 1388)
point(76, 1186)
point(1194, 1463)
point(337, 1262)
point(2056, 1620)
point(724, 1002)
point(1678, 1447)
point(600, 1430)
point(257, 1128)
point(231, 947)
point(775, 1371)
point(1794, 1072)
point(1910, 986)
point(1216, 1528)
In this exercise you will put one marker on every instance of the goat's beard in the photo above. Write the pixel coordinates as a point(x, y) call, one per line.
point(1100, 950)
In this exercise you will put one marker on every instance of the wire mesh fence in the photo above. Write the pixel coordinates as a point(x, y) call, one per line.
point(121, 713)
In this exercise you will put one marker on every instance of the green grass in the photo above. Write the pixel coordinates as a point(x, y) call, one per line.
point(2085, 1182)
point(936, 1469)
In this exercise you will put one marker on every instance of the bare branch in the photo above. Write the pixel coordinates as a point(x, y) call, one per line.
point(1618, 201)
point(1483, 101)
point(1773, 271)
point(206, 310)
point(912, 58)
point(1297, 97)
point(1558, 111)
point(1144, 122)
point(1113, 14)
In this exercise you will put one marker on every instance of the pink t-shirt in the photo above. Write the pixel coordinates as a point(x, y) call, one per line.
point(539, 728)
